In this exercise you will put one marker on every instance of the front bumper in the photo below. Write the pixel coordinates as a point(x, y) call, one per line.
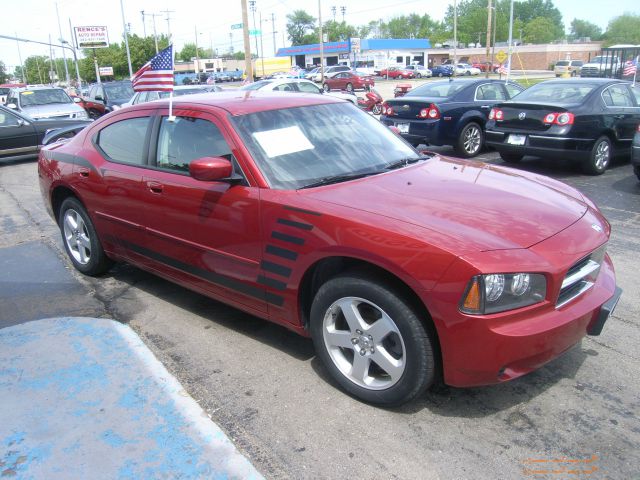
point(541, 145)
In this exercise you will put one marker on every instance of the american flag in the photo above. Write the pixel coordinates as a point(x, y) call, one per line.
point(156, 74)
point(504, 68)
point(630, 67)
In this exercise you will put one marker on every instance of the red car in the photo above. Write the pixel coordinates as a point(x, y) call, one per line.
point(395, 72)
point(310, 213)
point(483, 66)
point(348, 81)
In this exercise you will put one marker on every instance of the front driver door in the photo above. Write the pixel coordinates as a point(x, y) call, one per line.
point(17, 136)
point(204, 234)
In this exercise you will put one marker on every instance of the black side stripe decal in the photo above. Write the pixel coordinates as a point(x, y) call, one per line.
point(302, 210)
point(275, 268)
point(287, 238)
point(270, 282)
point(67, 158)
point(282, 252)
point(294, 224)
point(213, 277)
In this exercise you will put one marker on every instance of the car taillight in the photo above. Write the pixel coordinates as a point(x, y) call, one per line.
point(638, 129)
point(563, 118)
point(387, 109)
point(496, 114)
point(432, 112)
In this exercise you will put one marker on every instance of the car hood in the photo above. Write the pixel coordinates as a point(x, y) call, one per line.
point(53, 110)
point(470, 205)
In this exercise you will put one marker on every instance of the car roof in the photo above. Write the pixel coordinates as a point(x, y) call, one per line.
point(23, 89)
point(582, 81)
point(242, 102)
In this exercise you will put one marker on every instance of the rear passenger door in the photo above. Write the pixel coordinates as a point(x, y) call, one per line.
point(622, 111)
point(487, 95)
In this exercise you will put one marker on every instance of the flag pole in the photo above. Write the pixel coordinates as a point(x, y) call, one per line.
point(635, 72)
point(171, 118)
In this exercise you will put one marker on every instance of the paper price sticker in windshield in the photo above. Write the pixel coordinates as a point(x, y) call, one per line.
point(26, 93)
point(283, 141)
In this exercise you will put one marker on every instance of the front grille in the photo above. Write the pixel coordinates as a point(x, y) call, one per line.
point(580, 277)
point(590, 72)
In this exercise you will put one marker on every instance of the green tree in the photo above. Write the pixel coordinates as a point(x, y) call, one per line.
point(338, 31)
point(623, 29)
point(409, 26)
point(300, 26)
point(3, 72)
point(540, 30)
point(189, 51)
point(583, 28)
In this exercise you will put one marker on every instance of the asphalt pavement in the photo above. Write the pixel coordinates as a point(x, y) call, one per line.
point(266, 390)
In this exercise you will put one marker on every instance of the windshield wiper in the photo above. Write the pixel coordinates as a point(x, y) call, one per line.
point(403, 162)
point(339, 178)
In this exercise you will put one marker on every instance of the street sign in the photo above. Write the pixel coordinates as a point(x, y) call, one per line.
point(92, 37)
point(236, 26)
point(254, 33)
point(106, 71)
point(355, 45)
point(501, 56)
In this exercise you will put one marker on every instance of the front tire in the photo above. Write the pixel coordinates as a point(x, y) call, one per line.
point(371, 340)
point(600, 157)
point(81, 240)
point(470, 140)
point(511, 157)
point(326, 88)
point(349, 87)
point(377, 109)
point(418, 75)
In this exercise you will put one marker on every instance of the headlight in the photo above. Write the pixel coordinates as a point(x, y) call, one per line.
point(498, 292)
point(82, 115)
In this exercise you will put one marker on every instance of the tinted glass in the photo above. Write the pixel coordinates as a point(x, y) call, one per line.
point(187, 139)
point(617, 96)
point(44, 97)
point(557, 93)
point(437, 89)
point(124, 141)
point(512, 90)
point(7, 120)
point(636, 93)
point(490, 91)
point(118, 90)
point(308, 87)
point(255, 85)
point(295, 147)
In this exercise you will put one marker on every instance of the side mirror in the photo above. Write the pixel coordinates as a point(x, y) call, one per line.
point(210, 169)
point(77, 99)
point(12, 105)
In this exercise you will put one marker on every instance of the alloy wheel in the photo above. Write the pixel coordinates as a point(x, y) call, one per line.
point(472, 139)
point(76, 235)
point(602, 156)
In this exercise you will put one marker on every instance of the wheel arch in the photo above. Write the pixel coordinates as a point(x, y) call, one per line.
point(325, 268)
point(59, 194)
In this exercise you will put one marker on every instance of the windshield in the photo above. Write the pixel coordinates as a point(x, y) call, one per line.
point(4, 91)
point(562, 64)
point(601, 59)
point(556, 93)
point(444, 89)
point(295, 147)
point(119, 90)
point(185, 91)
point(44, 97)
point(256, 85)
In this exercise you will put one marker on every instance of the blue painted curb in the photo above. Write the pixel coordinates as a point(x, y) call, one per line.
point(85, 398)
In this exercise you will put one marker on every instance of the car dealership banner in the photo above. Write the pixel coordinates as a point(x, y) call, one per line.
point(92, 37)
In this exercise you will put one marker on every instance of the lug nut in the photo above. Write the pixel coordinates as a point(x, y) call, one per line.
point(359, 332)
point(372, 350)
point(363, 351)
point(354, 340)
point(370, 337)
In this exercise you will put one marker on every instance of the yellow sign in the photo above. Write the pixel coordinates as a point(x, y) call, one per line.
point(501, 56)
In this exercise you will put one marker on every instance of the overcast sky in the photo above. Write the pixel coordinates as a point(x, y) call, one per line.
point(36, 19)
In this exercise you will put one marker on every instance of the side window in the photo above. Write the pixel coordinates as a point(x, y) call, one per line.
point(92, 93)
point(636, 93)
point(512, 90)
point(141, 98)
point(620, 96)
point(490, 91)
point(124, 141)
point(7, 120)
point(99, 92)
point(187, 139)
point(308, 87)
point(285, 87)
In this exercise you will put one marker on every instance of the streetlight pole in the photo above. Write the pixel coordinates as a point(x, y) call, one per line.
point(455, 36)
point(261, 44)
point(321, 42)
point(510, 42)
point(197, 59)
point(64, 55)
point(20, 58)
point(75, 56)
point(493, 46)
point(126, 39)
point(489, 12)
point(248, 66)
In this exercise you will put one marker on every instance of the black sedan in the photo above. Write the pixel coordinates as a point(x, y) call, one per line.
point(635, 152)
point(587, 120)
point(21, 136)
point(447, 112)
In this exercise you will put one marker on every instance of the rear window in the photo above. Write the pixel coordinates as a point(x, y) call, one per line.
point(437, 89)
point(562, 93)
point(577, 63)
point(562, 63)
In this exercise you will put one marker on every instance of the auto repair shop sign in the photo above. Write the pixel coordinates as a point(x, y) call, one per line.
point(92, 37)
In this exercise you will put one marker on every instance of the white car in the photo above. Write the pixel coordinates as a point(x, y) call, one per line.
point(297, 85)
point(178, 90)
point(419, 71)
point(330, 72)
point(466, 69)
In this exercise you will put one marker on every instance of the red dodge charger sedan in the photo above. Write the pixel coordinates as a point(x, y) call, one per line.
point(305, 211)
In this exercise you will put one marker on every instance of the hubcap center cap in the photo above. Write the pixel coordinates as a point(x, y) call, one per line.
point(362, 343)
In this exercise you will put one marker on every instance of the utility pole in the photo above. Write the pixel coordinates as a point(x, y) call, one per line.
point(489, 12)
point(75, 55)
point(252, 4)
point(273, 31)
point(321, 43)
point(197, 59)
point(510, 42)
point(333, 12)
point(455, 36)
point(64, 55)
point(261, 44)
point(493, 44)
point(153, 17)
point(248, 67)
point(231, 43)
point(168, 19)
point(343, 10)
point(126, 39)
point(20, 57)
point(144, 24)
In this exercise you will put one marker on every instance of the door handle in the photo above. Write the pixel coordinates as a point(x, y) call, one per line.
point(155, 187)
point(83, 172)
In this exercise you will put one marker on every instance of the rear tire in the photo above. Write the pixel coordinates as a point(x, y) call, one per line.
point(377, 109)
point(326, 88)
point(371, 340)
point(418, 75)
point(81, 240)
point(94, 114)
point(470, 140)
point(600, 157)
point(511, 157)
point(349, 87)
